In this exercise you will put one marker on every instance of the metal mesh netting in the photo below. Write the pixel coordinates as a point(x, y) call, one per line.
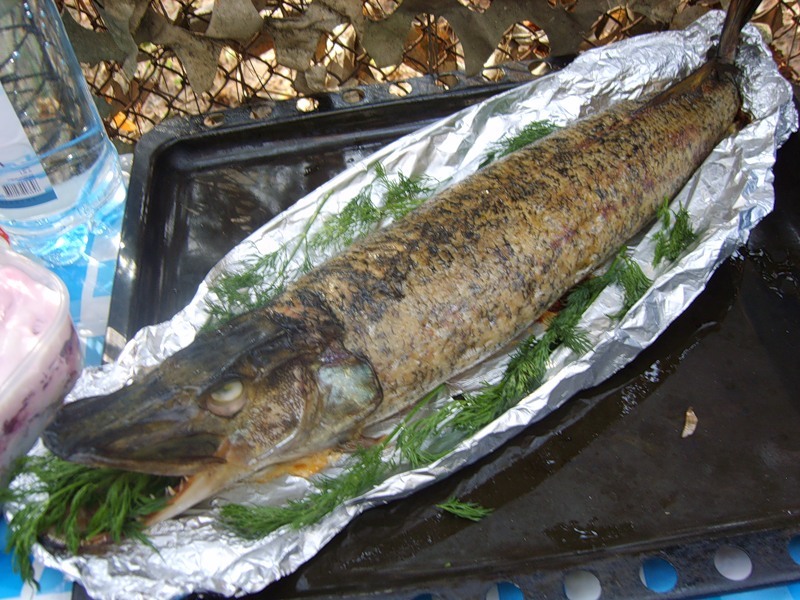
point(159, 87)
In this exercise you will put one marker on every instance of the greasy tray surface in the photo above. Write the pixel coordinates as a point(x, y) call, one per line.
point(600, 484)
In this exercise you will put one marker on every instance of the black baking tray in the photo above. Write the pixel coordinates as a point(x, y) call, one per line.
point(602, 484)
point(200, 185)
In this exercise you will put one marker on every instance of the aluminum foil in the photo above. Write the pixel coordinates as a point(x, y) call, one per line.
point(726, 198)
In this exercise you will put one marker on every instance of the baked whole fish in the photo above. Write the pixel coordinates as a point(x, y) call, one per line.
point(363, 336)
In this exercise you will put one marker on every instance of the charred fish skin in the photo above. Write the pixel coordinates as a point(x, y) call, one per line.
point(363, 336)
point(471, 269)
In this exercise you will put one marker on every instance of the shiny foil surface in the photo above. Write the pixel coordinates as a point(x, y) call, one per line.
point(726, 198)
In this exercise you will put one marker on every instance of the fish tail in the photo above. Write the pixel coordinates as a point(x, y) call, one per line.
point(739, 13)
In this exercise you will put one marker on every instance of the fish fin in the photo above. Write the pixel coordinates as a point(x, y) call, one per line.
point(305, 467)
point(688, 85)
point(723, 57)
point(362, 441)
point(739, 13)
point(740, 121)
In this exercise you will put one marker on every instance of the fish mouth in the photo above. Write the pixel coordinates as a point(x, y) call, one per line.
point(160, 457)
point(145, 427)
point(203, 484)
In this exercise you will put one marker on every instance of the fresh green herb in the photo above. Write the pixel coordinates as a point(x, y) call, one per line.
point(76, 504)
point(634, 284)
point(416, 440)
point(361, 215)
point(342, 229)
point(532, 132)
point(404, 194)
point(673, 237)
point(465, 510)
point(236, 293)
point(365, 469)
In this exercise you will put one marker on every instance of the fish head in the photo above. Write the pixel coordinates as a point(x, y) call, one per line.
point(223, 408)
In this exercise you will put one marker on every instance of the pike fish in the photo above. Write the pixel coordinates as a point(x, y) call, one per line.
point(362, 337)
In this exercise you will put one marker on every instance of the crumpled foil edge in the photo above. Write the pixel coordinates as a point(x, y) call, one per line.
point(726, 198)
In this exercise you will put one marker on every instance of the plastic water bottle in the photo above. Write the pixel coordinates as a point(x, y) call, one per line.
point(60, 178)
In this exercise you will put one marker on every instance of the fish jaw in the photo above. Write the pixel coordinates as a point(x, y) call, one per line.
point(122, 431)
point(345, 392)
point(202, 485)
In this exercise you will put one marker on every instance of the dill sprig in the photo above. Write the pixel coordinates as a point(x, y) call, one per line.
point(357, 218)
point(404, 194)
point(465, 510)
point(674, 236)
point(237, 292)
point(77, 504)
point(532, 132)
point(416, 440)
point(263, 278)
point(634, 284)
point(362, 215)
point(364, 470)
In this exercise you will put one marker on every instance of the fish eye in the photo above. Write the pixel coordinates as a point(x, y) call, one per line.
point(227, 399)
point(228, 391)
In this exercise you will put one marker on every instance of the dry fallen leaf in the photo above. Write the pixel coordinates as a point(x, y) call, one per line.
point(479, 33)
point(91, 46)
point(198, 55)
point(234, 19)
point(689, 423)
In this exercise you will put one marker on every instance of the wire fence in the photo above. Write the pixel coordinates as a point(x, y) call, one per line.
point(250, 72)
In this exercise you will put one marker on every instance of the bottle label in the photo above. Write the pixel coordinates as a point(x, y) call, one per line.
point(29, 185)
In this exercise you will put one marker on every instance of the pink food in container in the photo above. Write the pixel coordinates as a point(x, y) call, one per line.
point(40, 356)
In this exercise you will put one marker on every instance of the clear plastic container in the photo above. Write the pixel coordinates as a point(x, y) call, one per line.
point(40, 355)
point(60, 177)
